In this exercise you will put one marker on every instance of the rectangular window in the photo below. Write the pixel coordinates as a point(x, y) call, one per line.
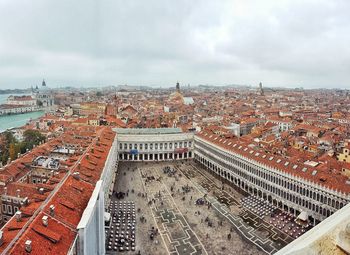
point(170, 145)
point(120, 146)
point(180, 145)
point(151, 146)
point(130, 146)
point(9, 209)
point(185, 144)
point(141, 146)
point(175, 145)
point(146, 146)
point(125, 146)
point(156, 146)
point(161, 146)
point(165, 146)
point(189, 144)
point(135, 146)
point(4, 209)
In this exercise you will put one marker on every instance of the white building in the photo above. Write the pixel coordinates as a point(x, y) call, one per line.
point(16, 109)
point(44, 96)
point(21, 100)
point(291, 186)
point(153, 144)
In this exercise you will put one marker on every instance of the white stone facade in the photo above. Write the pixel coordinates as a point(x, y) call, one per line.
point(288, 192)
point(155, 147)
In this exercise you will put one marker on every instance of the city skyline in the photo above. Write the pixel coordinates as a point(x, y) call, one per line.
point(283, 44)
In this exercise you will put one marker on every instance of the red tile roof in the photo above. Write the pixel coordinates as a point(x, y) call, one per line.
point(331, 179)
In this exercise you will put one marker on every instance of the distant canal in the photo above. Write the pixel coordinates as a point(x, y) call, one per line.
point(18, 120)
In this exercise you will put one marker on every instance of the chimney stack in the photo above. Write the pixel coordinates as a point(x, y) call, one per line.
point(45, 220)
point(76, 176)
point(5, 191)
point(28, 246)
point(18, 192)
point(52, 210)
point(25, 201)
point(41, 191)
point(18, 215)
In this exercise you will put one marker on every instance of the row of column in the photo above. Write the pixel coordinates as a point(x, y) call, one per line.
point(243, 185)
point(154, 156)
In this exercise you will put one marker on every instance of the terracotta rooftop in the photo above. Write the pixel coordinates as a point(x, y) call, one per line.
point(324, 177)
point(70, 201)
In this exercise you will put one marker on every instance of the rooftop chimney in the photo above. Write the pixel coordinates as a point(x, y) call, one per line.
point(52, 210)
point(5, 191)
point(18, 215)
point(18, 192)
point(45, 220)
point(28, 246)
point(25, 201)
point(87, 155)
point(76, 176)
point(41, 191)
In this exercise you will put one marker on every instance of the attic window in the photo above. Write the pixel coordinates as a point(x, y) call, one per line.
point(314, 172)
point(263, 156)
point(211, 136)
point(215, 138)
point(295, 166)
point(251, 152)
point(229, 143)
point(279, 160)
point(286, 164)
point(257, 154)
point(240, 147)
point(304, 169)
point(225, 141)
point(234, 145)
point(270, 158)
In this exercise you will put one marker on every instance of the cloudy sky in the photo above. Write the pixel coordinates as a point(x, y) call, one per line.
point(109, 42)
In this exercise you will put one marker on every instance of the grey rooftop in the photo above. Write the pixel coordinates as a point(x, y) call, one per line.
point(147, 131)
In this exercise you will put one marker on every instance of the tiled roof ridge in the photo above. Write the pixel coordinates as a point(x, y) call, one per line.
point(26, 226)
point(243, 150)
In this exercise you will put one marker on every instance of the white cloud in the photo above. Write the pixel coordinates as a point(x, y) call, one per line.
point(284, 43)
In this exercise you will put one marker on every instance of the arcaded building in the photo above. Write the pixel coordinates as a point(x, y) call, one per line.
point(296, 187)
point(153, 144)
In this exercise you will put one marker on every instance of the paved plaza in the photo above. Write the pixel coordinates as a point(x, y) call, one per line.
point(182, 209)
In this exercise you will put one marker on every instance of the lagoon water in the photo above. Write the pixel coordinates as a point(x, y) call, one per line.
point(18, 120)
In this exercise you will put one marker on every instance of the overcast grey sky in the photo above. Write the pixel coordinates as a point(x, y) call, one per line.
point(99, 42)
